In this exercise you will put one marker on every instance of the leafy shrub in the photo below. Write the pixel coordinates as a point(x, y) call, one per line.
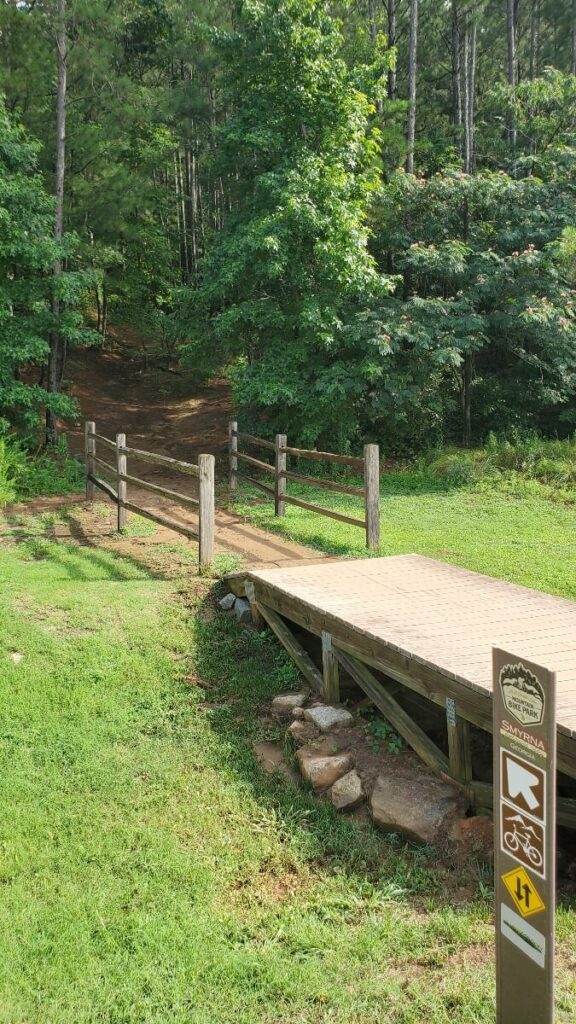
point(526, 458)
point(12, 465)
point(23, 475)
point(551, 471)
point(51, 472)
point(456, 468)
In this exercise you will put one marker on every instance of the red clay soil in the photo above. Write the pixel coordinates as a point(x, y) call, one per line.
point(166, 413)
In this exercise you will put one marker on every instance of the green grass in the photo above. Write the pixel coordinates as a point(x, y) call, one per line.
point(150, 873)
point(511, 528)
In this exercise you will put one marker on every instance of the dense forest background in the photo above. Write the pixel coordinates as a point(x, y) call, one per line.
point(363, 212)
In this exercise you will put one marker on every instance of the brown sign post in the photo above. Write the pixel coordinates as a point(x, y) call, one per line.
point(525, 839)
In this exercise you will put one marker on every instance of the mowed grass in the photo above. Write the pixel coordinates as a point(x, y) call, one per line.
point(149, 870)
point(513, 530)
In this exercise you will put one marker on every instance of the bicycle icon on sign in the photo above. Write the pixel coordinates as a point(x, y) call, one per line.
point(521, 838)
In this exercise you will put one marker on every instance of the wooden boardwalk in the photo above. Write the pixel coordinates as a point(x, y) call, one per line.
point(430, 626)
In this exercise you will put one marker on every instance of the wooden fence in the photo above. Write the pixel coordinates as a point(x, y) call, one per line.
point(368, 466)
point(204, 472)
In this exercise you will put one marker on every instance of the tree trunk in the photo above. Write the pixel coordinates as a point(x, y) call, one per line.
point(104, 309)
point(392, 42)
point(511, 31)
point(573, 58)
point(534, 38)
point(465, 87)
point(456, 85)
point(470, 90)
point(412, 69)
point(373, 29)
point(467, 371)
point(57, 353)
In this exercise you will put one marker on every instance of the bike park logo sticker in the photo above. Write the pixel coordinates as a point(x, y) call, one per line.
point(522, 838)
point(522, 694)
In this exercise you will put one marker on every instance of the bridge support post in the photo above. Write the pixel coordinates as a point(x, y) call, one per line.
point(330, 669)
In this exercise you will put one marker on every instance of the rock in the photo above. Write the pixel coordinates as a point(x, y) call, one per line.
point(227, 603)
point(298, 713)
point(473, 839)
point(236, 582)
point(16, 657)
point(347, 792)
point(413, 804)
point(285, 703)
point(302, 732)
point(326, 717)
point(271, 757)
point(323, 771)
point(242, 610)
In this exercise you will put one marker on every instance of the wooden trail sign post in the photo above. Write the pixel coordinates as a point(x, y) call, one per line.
point(525, 839)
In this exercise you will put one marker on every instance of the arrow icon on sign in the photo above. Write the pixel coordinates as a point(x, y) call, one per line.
point(522, 783)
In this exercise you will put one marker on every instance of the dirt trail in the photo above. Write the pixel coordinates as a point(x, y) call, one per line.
point(157, 412)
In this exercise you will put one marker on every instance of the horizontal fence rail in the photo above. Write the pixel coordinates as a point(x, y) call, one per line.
point(368, 466)
point(204, 472)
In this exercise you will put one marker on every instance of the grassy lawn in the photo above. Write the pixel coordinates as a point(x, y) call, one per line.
point(150, 871)
point(512, 530)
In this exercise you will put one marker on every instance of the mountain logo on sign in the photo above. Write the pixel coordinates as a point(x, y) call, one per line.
point(522, 694)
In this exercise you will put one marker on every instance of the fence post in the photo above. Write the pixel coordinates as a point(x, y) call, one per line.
point(206, 509)
point(232, 449)
point(279, 478)
point(89, 453)
point(121, 486)
point(372, 494)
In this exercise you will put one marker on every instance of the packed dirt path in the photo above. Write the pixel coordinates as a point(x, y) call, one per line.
point(166, 413)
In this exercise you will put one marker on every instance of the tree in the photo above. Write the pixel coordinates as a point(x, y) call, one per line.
point(291, 259)
point(412, 73)
point(56, 356)
point(483, 331)
point(28, 289)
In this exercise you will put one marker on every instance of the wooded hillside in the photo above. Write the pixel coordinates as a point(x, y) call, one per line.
point(363, 211)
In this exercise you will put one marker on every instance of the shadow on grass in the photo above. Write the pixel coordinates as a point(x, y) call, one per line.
point(87, 549)
point(320, 532)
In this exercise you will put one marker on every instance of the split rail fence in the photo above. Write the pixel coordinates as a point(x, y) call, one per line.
point(367, 466)
point(118, 470)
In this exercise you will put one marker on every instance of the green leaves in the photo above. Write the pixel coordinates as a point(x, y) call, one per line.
point(27, 285)
point(281, 278)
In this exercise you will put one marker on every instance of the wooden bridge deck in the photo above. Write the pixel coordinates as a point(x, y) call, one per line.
point(432, 627)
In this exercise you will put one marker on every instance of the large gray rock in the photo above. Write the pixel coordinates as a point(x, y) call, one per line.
point(227, 602)
point(242, 610)
point(416, 805)
point(326, 718)
point(323, 771)
point(347, 792)
point(285, 703)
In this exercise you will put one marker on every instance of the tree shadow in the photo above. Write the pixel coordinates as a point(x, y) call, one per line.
point(82, 547)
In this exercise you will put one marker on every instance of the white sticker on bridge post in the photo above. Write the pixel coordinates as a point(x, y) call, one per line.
point(525, 838)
